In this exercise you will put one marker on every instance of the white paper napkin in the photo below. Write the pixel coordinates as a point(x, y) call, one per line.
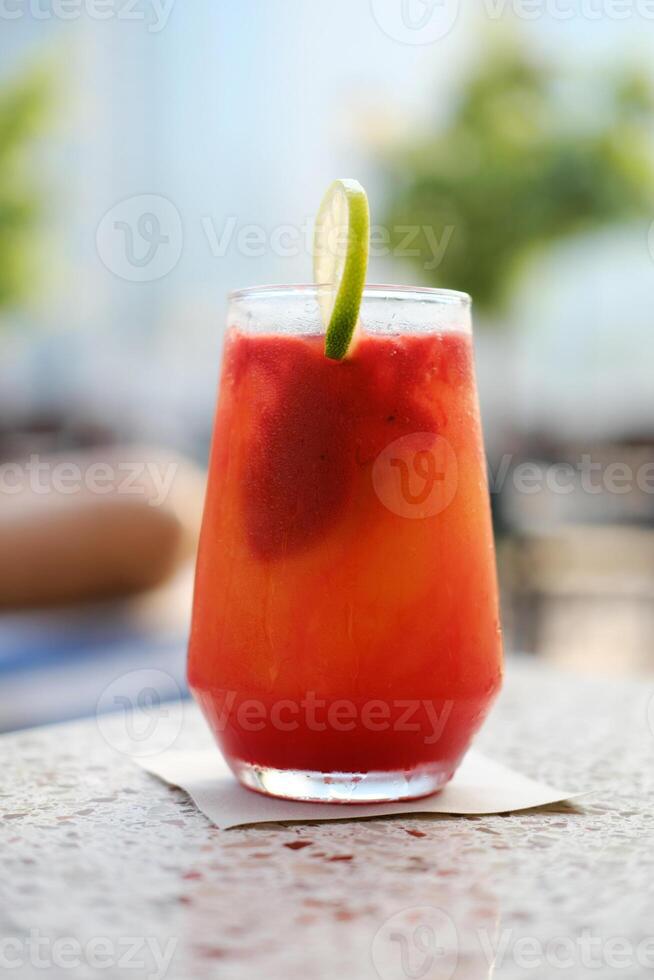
point(480, 786)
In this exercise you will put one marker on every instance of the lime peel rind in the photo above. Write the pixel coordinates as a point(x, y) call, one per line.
point(351, 282)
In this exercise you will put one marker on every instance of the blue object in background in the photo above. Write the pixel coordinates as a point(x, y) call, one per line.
point(55, 665)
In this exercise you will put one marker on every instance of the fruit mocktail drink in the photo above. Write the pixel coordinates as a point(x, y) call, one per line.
point(345, 618)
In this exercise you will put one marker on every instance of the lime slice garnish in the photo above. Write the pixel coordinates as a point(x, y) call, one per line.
point(340, 261)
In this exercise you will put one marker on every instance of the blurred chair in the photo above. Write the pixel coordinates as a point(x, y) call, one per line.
point(577, 568)
point(583, 596)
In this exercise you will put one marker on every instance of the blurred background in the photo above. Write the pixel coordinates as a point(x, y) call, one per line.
point(156, 154)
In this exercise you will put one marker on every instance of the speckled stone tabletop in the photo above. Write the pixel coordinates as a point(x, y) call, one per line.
point(105, 871)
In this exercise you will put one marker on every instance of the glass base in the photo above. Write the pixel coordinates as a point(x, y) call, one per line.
point(342, 787)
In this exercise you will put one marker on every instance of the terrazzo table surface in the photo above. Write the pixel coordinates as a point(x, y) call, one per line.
point(105, 871)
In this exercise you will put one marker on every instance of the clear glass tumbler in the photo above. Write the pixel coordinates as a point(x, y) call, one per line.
point(346, 643)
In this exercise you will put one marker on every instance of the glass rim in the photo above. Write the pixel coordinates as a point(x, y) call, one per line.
point(445, 297)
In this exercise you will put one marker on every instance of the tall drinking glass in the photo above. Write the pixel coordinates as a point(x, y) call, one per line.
point(345, 643)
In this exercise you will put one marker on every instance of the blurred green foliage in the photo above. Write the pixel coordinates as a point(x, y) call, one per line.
point(23, 106)
point(527, 157)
